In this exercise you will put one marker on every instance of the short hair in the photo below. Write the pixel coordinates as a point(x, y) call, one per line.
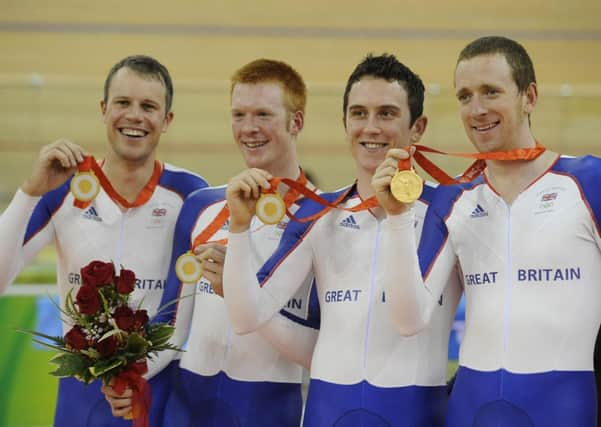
point(515, 54)
point(145, 66)
point(272, 71)
point(387, 67)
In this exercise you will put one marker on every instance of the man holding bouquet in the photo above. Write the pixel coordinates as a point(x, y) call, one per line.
point(129, 221)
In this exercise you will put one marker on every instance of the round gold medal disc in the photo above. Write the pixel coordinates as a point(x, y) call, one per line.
point(84, 186)
point(406, 186)
point(271, 208)
point(188, 269)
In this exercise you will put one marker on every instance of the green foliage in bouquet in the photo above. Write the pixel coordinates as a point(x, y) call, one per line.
point(107, 335)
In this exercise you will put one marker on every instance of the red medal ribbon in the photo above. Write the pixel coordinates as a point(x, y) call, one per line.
point(221, 218)
point(404, 164)
point(90, 164)
point(370, 203)
point(475, 168)
point(298, 187)
point(141, 396)
point(212, 228)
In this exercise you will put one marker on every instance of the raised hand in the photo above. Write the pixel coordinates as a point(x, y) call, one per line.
point(55, 164)
point(242, 194)
point(382, 178)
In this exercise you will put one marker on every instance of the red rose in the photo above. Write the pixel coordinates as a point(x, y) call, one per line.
point(140, 319)
point(126, 282)
point(98, 273)
point(88, 300)
point(76, 338)
point(107, 346)
point(124, 317)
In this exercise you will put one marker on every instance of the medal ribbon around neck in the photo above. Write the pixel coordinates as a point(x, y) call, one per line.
point(90, 170)
point(369, 203)
point(406, 186)
point(476, 168)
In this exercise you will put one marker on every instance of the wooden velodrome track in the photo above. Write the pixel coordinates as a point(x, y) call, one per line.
point(56, 54)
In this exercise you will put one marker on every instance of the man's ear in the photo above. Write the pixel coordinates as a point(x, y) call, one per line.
point(531, 98)
point(297, 121)
point(167, 121)
point(418, 128)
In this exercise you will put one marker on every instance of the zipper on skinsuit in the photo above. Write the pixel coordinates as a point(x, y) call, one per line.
point(372, 283)
point(508, 291)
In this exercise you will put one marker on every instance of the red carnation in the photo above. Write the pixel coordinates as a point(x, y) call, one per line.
point(126, 282)
point(88, 300)
point(124, 317)
point(140, 319)
point(76, 338)
point(107, 346)
point(98, 273)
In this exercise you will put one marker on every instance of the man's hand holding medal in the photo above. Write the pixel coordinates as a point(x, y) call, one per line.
point(55, 164)
point(243, 194)
point(395, 182)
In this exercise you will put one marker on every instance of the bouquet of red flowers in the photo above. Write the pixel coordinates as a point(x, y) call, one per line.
point(108, 340)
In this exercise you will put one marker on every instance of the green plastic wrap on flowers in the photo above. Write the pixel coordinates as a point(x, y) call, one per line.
point(107, 336)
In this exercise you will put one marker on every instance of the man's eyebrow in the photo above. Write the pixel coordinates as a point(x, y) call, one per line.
point(390, 106)
point(461, 91)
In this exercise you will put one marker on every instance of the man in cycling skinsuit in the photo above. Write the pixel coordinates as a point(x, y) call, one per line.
point(363, 372)
point(136, 110)
point(527, 239)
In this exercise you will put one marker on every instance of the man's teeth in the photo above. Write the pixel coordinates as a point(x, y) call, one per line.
point(133, 132)
point(486, 127)
point(255, 144)
point(373, 145)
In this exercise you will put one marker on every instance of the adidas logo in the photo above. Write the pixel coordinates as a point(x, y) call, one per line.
point(349, 222)
point(92, 214)
point(226, 226)
point(479, 212)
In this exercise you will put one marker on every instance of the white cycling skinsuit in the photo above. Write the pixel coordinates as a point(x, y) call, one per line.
point(363, 371)
point(138, 238)
point(532, 278)
point(227, 379)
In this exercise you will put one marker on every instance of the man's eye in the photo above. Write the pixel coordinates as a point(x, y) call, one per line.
point(463, 98)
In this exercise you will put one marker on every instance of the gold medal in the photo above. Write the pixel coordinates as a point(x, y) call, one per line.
point(85, 186)
point(406, 186)
point(271, 208)
point(188, 269)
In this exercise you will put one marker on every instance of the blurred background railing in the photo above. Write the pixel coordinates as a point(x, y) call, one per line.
point(36, 109)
